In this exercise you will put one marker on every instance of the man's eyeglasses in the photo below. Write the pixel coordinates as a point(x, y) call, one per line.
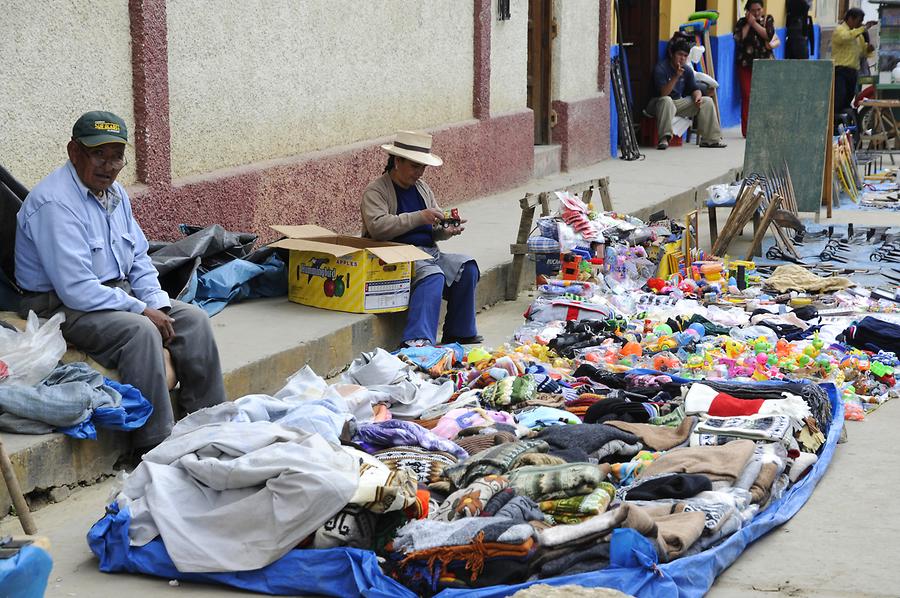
point(97, 159)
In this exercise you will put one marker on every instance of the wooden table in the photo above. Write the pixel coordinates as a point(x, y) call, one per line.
point(884, 125)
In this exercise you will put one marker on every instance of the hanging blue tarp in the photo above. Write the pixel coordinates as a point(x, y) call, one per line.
point(634, 568)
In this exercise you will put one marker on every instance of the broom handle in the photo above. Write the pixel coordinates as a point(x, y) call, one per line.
point(15, 493)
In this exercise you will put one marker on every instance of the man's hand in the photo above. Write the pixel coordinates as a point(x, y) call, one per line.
point(431, 215)
point(679, 71)
point(871, 24)
point(163, 323)
point(698, 97)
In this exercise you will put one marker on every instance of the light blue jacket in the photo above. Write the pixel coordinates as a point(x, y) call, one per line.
point(67, 242)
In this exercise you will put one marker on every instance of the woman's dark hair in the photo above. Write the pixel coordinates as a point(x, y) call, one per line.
point(390, 165)
point(751, 3)
point(854, 13)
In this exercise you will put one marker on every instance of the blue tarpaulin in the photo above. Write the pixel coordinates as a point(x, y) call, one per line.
point(131, 414)
point(236, 281)
point(633, 569)
point(25, 574)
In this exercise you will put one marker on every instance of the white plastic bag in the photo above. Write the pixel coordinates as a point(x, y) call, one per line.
point(31, 355)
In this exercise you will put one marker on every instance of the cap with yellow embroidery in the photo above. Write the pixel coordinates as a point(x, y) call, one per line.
point(97, 128)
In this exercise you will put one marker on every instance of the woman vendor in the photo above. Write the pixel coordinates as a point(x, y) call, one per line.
point(754, 35)
point(399, 206)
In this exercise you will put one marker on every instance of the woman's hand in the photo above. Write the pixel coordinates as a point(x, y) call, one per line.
point(457, 230)
point(431, 216)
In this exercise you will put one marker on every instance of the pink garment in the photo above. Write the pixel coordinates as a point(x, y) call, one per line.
point(382, 413)
point(458, 419)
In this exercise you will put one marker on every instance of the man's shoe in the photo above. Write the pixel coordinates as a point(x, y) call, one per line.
point(717, 144)
point(462, 340)
point(663, 143)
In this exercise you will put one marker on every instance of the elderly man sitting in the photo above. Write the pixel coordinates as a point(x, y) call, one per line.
point(80, 251)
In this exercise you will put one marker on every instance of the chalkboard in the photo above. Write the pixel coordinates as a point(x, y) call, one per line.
point(790, 120)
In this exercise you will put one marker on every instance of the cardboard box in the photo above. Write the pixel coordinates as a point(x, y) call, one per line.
point(346, 273)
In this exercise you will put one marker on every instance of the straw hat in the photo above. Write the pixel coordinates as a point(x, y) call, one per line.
point(414, 146)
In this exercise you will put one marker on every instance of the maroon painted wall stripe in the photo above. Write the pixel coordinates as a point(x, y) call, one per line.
point(604, 39)
point(481, 86)
point(150, 73)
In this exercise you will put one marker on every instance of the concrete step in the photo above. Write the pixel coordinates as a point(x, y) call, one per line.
point(547, 160)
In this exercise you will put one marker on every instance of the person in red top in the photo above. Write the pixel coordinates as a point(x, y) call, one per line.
point(754, 35)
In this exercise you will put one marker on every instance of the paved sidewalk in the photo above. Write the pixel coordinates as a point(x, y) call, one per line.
point(262, 342)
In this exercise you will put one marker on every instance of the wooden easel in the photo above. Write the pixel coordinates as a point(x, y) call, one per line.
point(529, 204)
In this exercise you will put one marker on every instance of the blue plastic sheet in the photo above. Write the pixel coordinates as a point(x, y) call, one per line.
point(132, 413)
point(235, 281)
point(25, 574)
point(634, 567)
point(332, 572)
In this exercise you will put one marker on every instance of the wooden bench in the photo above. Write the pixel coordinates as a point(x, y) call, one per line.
point(529, 204)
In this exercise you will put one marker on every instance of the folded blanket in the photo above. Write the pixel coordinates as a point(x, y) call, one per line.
point(497, 502)
point(423, 534)
point(578, 508)
point(716, 462)
point(382, 489)
point(593, 527)
point(658, 438)
point(763, 484)
point(475, 443)
point(678, 532)
point(703, 399)
point(556, 481)
point(428, 466)
point(672, 485)
point(509, 391)
point(581, 441)
point(768, 428)
point(495, 460)
point(471, 500)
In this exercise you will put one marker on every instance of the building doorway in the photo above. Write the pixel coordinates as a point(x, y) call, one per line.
point(540, 23)
point(640, 32)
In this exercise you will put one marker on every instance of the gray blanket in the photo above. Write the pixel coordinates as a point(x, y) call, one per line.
point(236, 496)
point(68, 396)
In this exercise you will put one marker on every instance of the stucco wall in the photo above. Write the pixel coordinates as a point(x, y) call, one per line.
point(256, 80)
point(509, 58)
point(53, 73)
point(673, 13)
point(727, 17)
point(575, 50)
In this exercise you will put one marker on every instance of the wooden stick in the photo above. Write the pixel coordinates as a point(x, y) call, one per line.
point(15, 493)
point(745, 206)
point(790, 182)
point(764, 225)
